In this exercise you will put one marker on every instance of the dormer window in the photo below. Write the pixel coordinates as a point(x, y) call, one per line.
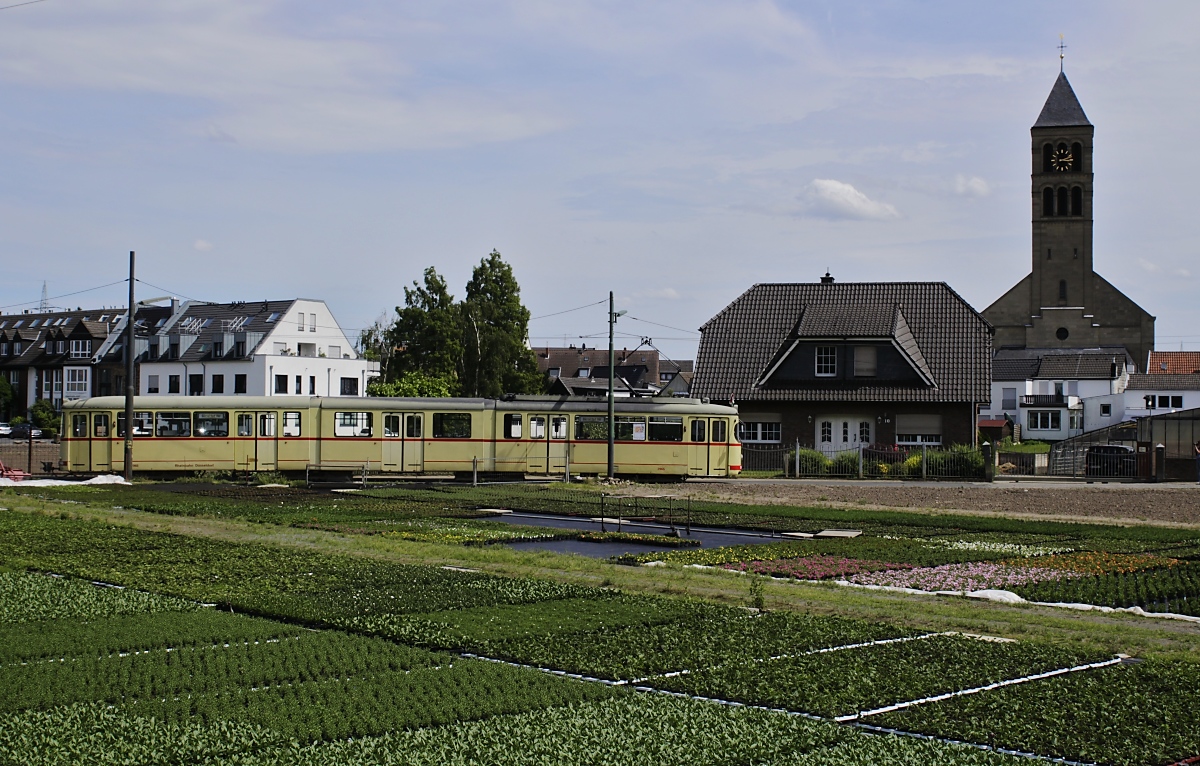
point(554, 372)
point(826, 361)
point(864, 361)
point(583, 372)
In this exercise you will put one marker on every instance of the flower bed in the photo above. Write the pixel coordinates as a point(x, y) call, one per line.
point(814, 567)
point(977, 575)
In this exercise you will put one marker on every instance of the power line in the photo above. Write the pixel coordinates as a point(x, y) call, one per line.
point(18, 5)
point(656, 324)
point(65, 295)
point(568, 311)
point(165, 290)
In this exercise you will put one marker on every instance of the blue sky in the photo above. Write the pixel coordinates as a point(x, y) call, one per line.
point(673, 152)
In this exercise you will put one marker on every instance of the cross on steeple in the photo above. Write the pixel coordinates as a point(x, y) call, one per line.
point(1062, 46)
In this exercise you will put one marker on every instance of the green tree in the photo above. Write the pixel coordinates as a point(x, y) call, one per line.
point(44, 415)
point(412, 384)
point(6, 396)
point(427, 334)
point(497, 359)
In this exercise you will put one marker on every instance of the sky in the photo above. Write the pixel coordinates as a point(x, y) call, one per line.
point(675, 153)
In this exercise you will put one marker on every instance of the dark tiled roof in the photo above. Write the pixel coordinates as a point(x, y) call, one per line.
point(1164, 382)
point(1081, 366)
point(1174, 362)
point(823, 320)
point(1062, 108)
point(954, 342)
point(1014, 369)
point(205, 320)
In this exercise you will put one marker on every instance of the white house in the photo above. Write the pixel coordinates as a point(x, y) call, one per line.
point(267, 348)
point(1044, 390)
point(1143, 395)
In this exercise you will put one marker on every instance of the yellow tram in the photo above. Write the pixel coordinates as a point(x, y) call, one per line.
point(516, 435)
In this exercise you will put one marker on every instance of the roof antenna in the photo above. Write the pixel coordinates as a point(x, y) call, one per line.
point(1062, 46)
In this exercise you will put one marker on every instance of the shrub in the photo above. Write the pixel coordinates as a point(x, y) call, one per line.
point(845, 464)
point(811, 462)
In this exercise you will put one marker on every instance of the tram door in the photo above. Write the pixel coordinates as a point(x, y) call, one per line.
point(255, 448)
point(538, 456)
point(557, 445)
point(403, 442)
point(101, 442)
point(708, 452)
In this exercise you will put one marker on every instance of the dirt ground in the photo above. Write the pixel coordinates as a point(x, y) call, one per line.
point(1105, 503)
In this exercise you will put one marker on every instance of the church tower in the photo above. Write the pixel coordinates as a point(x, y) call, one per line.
point(1063, 302)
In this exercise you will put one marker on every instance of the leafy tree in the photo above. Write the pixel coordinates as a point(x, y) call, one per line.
point(44, 415)
point(412, 384)
point(496, 355)
point(6, 396)
point(427, 333)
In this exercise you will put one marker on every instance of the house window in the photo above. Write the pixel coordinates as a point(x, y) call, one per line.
point(281, 348)
point(454, 425)
point(195, 385)
point(312, 385)
point(172, 384)
point(152, 384)
point(864, 361)
point(4, 349)
point(845, 431)
point(826, 361)
point(77, 381)
point(1076, 420)
point(300, 322)
point(554, 372)
point(826, 432)
point(17, 348)
point(1106, 410)
point(352, 423)
point(218, 384)
point(335, 352)
point(281, 384)
point(81, 349)
point(1008, 399)
point(914, 440)
point(583, 372)
point(239, 384)
point(1177, 402)
point(1045, 420)
point(349, 386)
point(299, 384)
point(60, 347)
point(312, 322)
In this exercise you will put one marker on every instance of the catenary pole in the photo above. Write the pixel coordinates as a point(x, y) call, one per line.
point(130, 383)
point(611, 372)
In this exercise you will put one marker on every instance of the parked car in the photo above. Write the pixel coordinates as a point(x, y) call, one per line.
point(5, 429)
point(21, 431)
point(1111, 461)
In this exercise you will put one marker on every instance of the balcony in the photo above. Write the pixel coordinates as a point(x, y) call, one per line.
point(1043, 400)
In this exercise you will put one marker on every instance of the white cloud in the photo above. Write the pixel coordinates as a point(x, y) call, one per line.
point(972, 186)
point(666, 293)
point(826, 198)
point(203, 245)
point(1153, 268)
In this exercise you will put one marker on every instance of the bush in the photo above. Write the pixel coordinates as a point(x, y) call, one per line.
point(845, 464)
point(811, 461)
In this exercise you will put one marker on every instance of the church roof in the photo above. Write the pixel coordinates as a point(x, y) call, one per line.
point(1062, 107)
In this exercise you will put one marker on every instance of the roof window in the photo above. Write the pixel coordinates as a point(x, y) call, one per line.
point(273, 317)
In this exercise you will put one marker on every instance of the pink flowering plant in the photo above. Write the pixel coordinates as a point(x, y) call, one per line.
point(976, 575)
point(813, 567)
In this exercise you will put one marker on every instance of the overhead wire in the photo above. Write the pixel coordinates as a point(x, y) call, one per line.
point(567, 311)
point(18, 5)
point(64, 295)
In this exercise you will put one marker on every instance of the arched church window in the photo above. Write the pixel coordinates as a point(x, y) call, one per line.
point(1063, 201)
point(1047, 155)
point(1076, 200)
point(1062, 289)
point(1047, 202)
point(1077, 157)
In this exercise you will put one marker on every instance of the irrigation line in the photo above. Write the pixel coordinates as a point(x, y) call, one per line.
point(167, 649)
point(811, 652)
point(883, 730)
point(977, 689)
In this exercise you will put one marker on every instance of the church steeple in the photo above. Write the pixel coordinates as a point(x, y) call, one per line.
point(1062, 108)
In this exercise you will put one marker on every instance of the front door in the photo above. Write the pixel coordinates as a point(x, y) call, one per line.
point(101, 442)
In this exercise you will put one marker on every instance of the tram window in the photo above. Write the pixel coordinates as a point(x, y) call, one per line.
point(391, 426)
point(291, 424)
point(143, 424)
point(173, 424)
point(591, 428)
point(245, 423)
point(718, 431)
point(211, 424)
point(558, 428)
point(100, 425)
point(412, 426)
point(79, 426)
point(666, 428)
point(452, 425)
point(266, 424)
point(537, 427)
point(512, 426)
point(352, 424)
point(630, 429)
point(697, 430)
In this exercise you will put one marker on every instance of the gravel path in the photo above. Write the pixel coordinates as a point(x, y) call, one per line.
point(1113, 503)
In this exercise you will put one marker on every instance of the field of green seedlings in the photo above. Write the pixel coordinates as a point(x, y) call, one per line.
point(121, 645)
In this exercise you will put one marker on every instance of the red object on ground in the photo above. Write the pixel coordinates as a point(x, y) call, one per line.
point(16, 474)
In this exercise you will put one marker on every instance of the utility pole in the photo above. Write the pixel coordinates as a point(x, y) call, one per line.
point(612, 320)
point(130, 384)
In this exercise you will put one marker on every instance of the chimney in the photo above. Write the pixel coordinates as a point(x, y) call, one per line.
point(827, 280)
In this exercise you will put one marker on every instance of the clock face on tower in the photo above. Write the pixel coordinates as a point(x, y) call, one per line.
point(1062, 159)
